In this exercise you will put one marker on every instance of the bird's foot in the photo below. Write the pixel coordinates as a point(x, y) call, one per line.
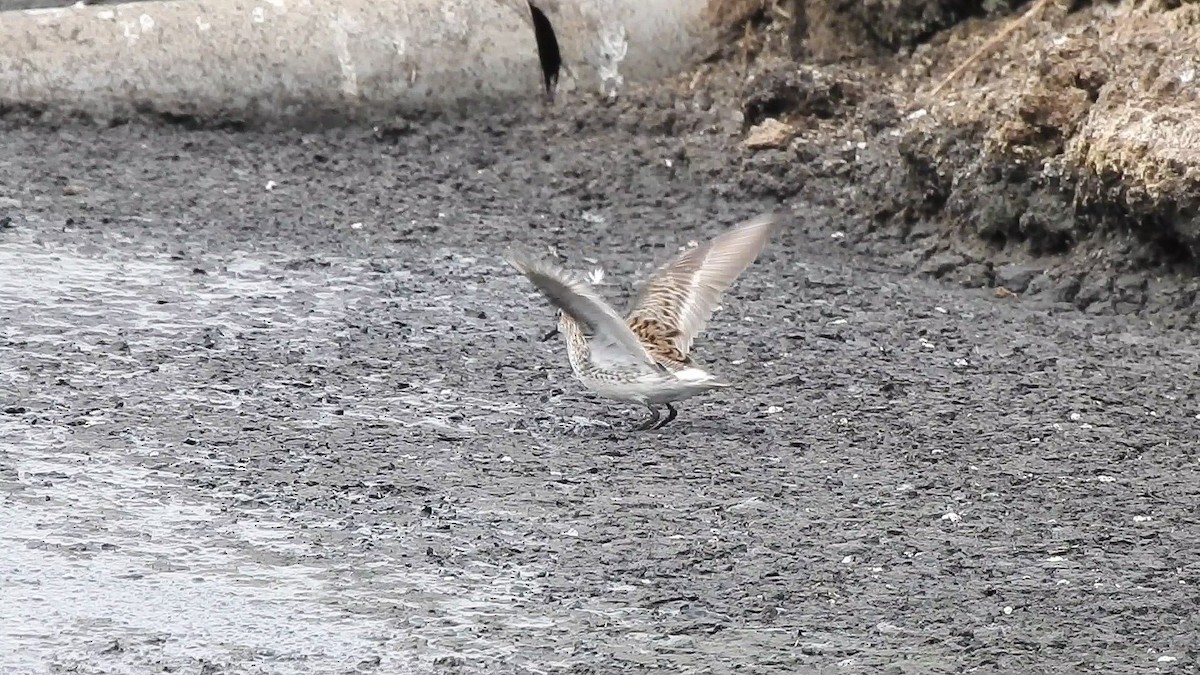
point(650, 422)
point(656, 420)
point(671, 413)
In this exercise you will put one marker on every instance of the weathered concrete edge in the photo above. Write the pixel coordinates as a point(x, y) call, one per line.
point(346, 60)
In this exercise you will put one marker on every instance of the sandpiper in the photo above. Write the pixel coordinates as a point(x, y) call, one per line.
point(644, 358)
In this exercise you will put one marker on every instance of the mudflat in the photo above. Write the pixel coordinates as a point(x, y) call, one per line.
point(273, 403)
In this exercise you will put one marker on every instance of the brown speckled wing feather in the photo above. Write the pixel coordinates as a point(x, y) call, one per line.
point(677, 301)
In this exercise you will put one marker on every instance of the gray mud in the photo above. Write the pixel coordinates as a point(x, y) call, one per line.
point(273, 404)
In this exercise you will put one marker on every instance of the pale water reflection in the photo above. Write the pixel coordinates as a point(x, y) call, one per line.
point(112, 562)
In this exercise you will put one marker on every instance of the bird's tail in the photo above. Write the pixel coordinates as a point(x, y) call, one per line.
point(699, 376)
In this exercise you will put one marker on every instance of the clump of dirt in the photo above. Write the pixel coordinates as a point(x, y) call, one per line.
point(799, 93)
point(1063, 160)
point(1137, 153)
point(1080, 147)
point(835, 29)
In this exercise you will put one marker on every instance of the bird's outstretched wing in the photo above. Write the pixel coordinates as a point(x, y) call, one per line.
point(678, 299)
point(612, 343)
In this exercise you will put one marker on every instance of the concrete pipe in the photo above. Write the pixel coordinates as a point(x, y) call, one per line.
point(291, 60)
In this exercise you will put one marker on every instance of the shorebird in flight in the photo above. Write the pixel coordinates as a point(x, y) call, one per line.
point(644, 358)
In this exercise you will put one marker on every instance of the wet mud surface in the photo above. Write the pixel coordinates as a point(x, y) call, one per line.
point(273, 404)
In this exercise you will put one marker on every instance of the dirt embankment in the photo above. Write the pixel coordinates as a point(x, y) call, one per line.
point(1038, 149)
point(1044, 149)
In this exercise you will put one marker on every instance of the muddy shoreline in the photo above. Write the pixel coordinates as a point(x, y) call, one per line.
point(270, 402)
point(274, 405)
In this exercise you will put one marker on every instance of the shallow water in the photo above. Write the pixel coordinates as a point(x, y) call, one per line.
point(112, 561)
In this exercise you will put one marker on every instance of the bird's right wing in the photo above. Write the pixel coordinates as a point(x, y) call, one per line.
point(613, 343)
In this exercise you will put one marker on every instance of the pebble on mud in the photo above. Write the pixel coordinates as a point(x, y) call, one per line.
point(975, 275)
point(770, 133)
point(1016, 278)
point(941, 264)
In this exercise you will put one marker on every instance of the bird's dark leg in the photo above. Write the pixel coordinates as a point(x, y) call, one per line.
point(671, 413)
point(649, 422)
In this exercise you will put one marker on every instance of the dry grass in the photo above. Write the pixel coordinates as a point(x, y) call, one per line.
point(991, 44)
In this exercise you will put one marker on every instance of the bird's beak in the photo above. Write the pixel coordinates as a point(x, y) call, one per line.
point(551, 334)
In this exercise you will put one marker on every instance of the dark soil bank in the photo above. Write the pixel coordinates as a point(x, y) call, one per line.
point(273, 404)
point(1056, 160)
